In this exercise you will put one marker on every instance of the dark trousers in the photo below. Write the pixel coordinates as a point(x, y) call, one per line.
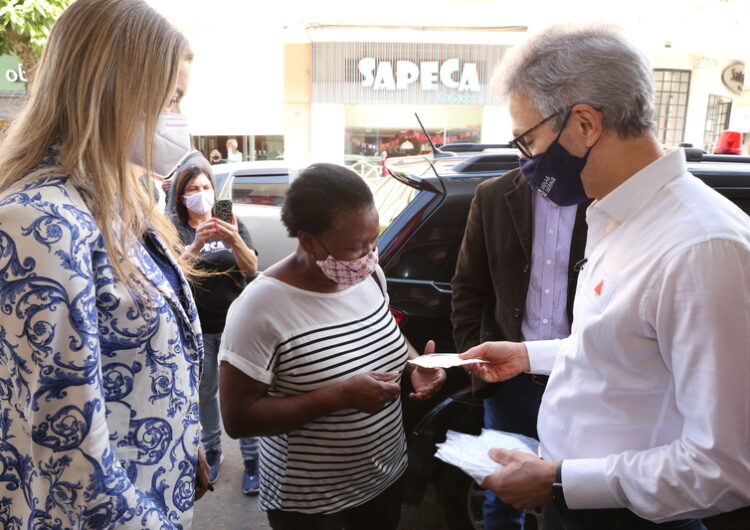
point(381, 513)
point(513, 407)
point(620, 519)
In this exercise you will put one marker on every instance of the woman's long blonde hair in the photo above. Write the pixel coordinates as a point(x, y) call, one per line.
point(109, 67)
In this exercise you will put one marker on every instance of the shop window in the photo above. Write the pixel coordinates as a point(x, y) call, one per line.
point(258, 147)
point(717, 119)
point(672, 89)
point(397, 142)
point(376, 133)
point(366, 148)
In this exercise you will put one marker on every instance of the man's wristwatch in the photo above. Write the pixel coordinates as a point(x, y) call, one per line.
point(558, 497)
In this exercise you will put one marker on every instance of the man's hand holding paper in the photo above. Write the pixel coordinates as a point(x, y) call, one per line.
point(504, 360)
point(524, 481)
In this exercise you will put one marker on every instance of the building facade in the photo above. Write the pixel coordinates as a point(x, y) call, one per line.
point(331, 82)
point(12, 87)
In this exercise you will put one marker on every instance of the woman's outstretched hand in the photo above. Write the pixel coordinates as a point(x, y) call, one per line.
point(426, 381)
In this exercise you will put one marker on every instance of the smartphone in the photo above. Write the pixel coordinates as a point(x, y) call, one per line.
point(224, 210)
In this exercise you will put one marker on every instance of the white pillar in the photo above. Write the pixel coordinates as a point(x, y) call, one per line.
point(496, 125)
point(327, 126)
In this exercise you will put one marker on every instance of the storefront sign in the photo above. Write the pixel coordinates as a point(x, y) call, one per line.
point(404, 73)
point(12, 74)
point(430, 74)
point(733, 77)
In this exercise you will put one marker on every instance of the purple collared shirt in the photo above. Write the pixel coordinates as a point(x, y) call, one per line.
point(545, 316)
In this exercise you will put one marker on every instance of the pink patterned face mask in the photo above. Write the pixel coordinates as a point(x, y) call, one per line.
point(349, 272)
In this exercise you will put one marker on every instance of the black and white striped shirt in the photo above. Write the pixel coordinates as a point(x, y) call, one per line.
point(297, 341)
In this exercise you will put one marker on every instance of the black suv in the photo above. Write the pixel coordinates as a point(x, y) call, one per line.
point(423, 209)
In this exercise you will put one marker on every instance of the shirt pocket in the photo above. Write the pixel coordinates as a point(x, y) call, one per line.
point(599, 289)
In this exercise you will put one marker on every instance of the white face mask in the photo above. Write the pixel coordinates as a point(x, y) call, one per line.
point(200, 202)
point(171, 142)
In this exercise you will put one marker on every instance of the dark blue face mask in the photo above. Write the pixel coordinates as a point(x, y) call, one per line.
point(556, 174)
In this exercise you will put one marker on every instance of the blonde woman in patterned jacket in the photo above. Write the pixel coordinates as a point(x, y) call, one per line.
point(100, 347)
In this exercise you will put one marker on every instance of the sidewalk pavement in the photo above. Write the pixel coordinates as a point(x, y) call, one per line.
point(227, 508)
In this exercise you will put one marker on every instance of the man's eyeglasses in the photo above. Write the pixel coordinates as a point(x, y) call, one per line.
point(519, 143)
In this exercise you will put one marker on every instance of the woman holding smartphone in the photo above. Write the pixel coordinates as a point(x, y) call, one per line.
point(221, 246)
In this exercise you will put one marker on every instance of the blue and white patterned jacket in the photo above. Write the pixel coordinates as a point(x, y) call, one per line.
point(98, 393)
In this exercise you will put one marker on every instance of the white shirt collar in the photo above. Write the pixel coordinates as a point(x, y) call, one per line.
point(629, 196)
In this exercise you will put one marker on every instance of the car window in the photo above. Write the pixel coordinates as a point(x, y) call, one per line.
point(445, 272)
point(391, 198)
point(260, 189)
point(744, 204)
point(739, 196)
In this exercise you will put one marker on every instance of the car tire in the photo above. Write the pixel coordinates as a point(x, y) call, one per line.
point(460, 497)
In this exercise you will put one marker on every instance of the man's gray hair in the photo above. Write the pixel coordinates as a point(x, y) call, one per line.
point(566, 65)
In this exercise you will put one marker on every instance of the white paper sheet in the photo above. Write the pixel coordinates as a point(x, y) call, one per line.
point(442, 360)
point(471, 453)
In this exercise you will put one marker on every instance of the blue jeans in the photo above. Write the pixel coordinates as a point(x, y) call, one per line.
point(514, 408)
point(208, 406)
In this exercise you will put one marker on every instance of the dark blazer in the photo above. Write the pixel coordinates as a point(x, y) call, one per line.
point(494, 262)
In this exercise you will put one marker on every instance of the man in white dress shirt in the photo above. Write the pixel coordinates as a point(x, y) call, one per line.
point(645, 422)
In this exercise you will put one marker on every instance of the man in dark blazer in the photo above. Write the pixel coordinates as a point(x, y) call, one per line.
point(490, 290)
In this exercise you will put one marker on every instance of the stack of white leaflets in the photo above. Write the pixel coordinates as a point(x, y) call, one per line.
point(470, 453)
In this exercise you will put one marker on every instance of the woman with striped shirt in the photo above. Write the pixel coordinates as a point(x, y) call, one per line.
point(311, 360)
